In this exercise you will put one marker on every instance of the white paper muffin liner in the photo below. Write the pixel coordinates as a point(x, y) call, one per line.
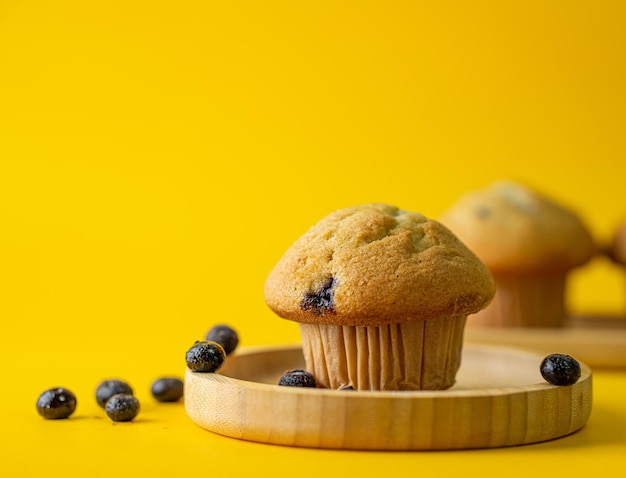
point(418, 355)
point(525, 302)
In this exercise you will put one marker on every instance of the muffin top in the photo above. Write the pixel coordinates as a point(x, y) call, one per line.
point(374, 265)
point(516, 231)
point(617, 249)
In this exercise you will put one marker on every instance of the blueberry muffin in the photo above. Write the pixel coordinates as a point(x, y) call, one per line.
point(381, 296)
point(617, 248)
point(530, 243)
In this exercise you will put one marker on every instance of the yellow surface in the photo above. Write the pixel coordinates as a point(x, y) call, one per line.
point(156, 159)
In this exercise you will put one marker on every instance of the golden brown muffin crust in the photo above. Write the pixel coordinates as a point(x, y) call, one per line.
point(515, 230)
point(374, 265)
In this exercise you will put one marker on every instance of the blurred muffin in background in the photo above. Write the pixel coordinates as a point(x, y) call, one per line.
point(530, 243)
point(617, 248)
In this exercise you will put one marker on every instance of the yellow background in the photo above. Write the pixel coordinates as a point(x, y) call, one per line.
point(157, 158)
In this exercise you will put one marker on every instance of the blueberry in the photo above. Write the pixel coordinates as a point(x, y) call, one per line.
point(167, 389)
point(108, 388)
point(206, 356)
point(297, 378)
point(321, 301)
point(483, 212)
point(560, 369)
point(225, 336)
point(56, 403)
point(122, 407)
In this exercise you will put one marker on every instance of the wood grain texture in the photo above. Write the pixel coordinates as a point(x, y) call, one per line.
point(500, 399)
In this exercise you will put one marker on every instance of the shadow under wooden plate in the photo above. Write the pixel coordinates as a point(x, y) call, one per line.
point(500, 399)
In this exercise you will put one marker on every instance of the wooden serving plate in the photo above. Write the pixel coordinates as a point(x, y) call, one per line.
point(500, 399)
point(599, 341)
